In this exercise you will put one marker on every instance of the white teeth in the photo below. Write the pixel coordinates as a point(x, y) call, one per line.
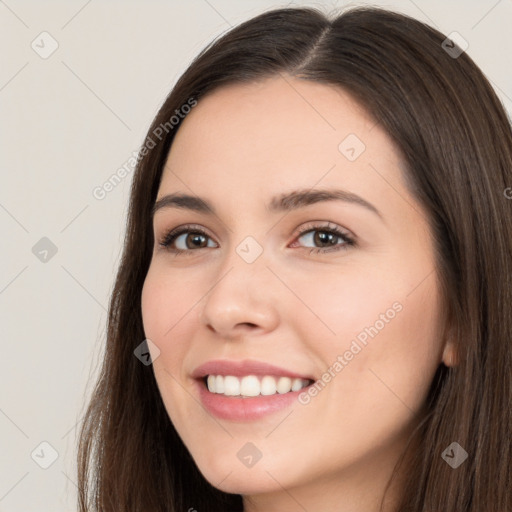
point(211, 383)
point(231, 385)
point(297, 384)
point(268, 386)
point(251, 385)
point(284, 384)
point(219, 384)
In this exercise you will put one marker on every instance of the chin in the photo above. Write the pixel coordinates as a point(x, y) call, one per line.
point(233, 477)
point(245, 483)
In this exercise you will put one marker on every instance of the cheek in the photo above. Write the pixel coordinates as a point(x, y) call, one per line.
point(168, 313)
point(388, 336)
point(399, 354)
point(167, 308)
point(340, 306)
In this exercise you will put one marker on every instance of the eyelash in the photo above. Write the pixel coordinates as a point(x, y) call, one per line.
point(173, 234)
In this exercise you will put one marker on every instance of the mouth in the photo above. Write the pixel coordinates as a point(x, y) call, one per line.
point(248, 390)
point(243, 398)
point(250, 386)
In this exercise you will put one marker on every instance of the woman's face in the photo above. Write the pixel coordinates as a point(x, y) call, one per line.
point(363, 318)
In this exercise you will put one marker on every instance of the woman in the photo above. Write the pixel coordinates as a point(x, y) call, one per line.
point(318, 263)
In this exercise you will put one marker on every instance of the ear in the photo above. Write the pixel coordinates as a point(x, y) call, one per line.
point(450, 355)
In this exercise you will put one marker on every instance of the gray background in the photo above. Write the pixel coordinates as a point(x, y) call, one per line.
point(67, 123)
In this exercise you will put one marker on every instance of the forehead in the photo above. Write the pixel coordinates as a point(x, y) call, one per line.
point(251, 140)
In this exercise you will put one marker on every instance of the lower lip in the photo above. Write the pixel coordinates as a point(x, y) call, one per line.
point(236, 408)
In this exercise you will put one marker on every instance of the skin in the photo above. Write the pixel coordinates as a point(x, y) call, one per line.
point(240, 146)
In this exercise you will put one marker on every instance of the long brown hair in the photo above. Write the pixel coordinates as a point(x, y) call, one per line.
point(456, 142)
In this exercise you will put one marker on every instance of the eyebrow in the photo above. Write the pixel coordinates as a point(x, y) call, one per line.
point(283, 203)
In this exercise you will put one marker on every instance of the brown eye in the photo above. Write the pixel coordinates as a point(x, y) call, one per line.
point(185, 239)
point(325, 238)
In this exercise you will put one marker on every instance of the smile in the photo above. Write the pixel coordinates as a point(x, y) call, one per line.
point(252, 385)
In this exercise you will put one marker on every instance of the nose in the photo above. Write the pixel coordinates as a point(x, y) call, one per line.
point(242, 299)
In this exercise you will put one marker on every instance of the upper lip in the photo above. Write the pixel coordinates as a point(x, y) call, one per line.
point(242, 368)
